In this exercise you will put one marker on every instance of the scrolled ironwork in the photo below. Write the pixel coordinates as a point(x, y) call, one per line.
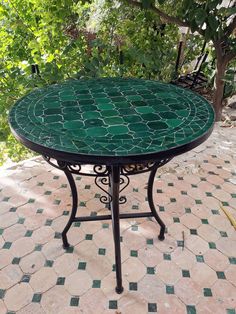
point(107, 198)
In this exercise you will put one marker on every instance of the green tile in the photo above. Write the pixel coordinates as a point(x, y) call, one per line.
point(233, 195)
point(193, 231)
point(60, 281)
point(170, 289)
point(113, 304)
point(7, 245)
point(88, 237)
point(220, 275)
point(167, 256)
point(198, 202)
point(105, 225)
point(205, 221)
point(180, 243)
point(133, 286)
point(187, 210)
point(5, 199)
point(74, 301)
point(230, 311)
point(31, 200)
point(57, 235)
point(1, 231)
point(232, 260)
point(207, 292)
point(159, 191)
point(149, 241)
point(185, 273)
point(37, 298)
point(56, 202)
point(223, 234)
point(176, 219)
point(184, 193)
point(134, 253)
point(151, 270)
point(134, 228)
point(209, 194)
point(65, 213)
point(39, 211)
point(40, 183)
point(56, 177)
point(161, 208)
point(16, 261)
point(152, 307)
point(13, 209)
point(102, 251)
point(191, 309)
point(77, 224)
point(48, 263)
point(38, 247)
point(48, 222)
point(135, 207)
point(28, 233)
point(215, 212)
point(173, 200)
point(82, 204)
point(200, 258)
point(82, 265)
point(96, 284)
point(48, 192)
point(212, 245)
point(2, 293)
point(194, 185)
point(172, 184)
point(21, 220)
point(63, 186)
point(225, 203)
point(25, 278)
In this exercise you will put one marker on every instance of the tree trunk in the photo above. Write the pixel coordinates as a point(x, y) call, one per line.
point(219, 88)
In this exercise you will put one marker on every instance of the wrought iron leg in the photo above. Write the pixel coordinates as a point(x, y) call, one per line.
point(74, 208)
point(115, 187)
point(151, 203)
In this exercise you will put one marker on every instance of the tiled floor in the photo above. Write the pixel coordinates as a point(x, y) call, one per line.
point(192, 271)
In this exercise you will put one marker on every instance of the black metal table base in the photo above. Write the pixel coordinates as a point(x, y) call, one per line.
point(113, 177)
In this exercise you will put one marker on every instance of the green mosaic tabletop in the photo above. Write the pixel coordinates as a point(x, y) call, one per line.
point(111, 117)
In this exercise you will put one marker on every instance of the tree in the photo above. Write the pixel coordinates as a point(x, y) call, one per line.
point(215, 20)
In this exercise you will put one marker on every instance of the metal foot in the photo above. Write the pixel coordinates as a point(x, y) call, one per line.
point(161, 236)
point(115, 189)
point(71, 181)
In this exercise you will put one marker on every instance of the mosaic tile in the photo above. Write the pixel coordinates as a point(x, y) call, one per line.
point(165, 117)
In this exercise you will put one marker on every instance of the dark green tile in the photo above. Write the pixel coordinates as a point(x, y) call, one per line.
point(176, 219)
point(48, 222)
point(193, 231)
point(215, 212)
point(151, 270)
point(7, 245)
point(82, 204)
point(21, 220)
point(230, 311)
point(2, 293)
point(170, 289)
point(149, 241)
point(207, 292)
point(152, 307)
point(200, 258)
point(220, 275)
point(82, 265)
point(16, 260)
point(198, 202)
point(134, 253)
point(105, 225)
point(88, 237)
point(113, 304)
point(191, 309)
point(25, 278)
point(225, 203)
point(74, 301)
point(223, 234)
point(37, 298)
point(133, 286)
point(39, 211)
point(187, 210)
point(232, 260)
point(180, 243)
point(205, 221)
point(212, 245)
point(96, 284)
point(48, 192)
point(185, 273)
point(134, 228)
point(28, 233)
point(13, 209)
point(31, 200)
point(38, 247)
point(102, 251)
point(167, 256)
point(48, 263)
point(60, 281)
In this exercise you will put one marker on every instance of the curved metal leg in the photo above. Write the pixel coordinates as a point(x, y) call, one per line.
point(73, 210)
point(115, 189)
point(151, 203)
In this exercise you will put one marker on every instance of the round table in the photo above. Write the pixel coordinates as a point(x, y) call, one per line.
point(121, 126)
